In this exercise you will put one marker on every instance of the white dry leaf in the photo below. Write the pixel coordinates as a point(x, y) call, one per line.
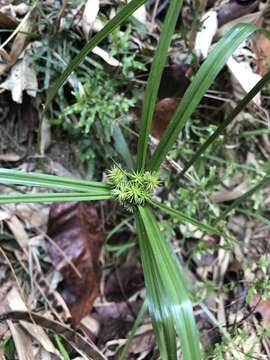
point(22, 341)
point(45, 135)
point(140, 14)
point(110, 60)
point(205, 36)
point(243, 75)
point(18, 231)
point(21, 78)
point(91, 10)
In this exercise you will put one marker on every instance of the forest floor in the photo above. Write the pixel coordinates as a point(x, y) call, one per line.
point(77, 265)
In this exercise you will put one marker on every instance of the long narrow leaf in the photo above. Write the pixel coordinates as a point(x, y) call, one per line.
point(172, 288)
point(244, 197)
point(121, 17)
point(59, 197)
point(242, 104)
point(201, 82)
point(154, 79)
point(184, 218)
point(156, 300)
point(15, 177)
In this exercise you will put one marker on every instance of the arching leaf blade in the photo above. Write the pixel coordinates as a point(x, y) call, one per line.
point(172, 287)
point(54, 197)
point(119, 18)
point(201, 82)
point(154, 78)
point(242, 104)
point(15, 177)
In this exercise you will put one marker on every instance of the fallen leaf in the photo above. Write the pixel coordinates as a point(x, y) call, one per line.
point(74, 337)
point(16, 303)
point(205, 36)
point(18, 231)
point(261, 46)
point(22, 341)
point(234, 9)
point(140, 14)
point(261, 307)
point(78, 232)
point(91, 10)
point(164, 111)
point(20, 41)
point(110, 60)
point(21, 78)
point(243, 74)
point(7, 21)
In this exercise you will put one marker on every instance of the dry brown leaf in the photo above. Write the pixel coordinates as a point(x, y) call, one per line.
point(261, 307)
point(7, 21)
point(261, 46)
point(16, 303)
point(74, 337)
point(164, 111)
point(18, 231)
point(20, 41)
point(78, 232)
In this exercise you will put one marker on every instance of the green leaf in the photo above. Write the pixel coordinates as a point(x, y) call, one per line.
point(157, 303)
point(244, 197)
point(15, 177)
point(108, 28)
point(201, 82)
point(154, 79)
point(131, 335)
point(184, 218)
point(58, 197)
point(121, 146)
point(242, 104)
point(167, 291)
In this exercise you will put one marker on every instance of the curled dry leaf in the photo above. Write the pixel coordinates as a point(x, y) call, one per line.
point(78, 232)
point(21, 78)
point(20, 41)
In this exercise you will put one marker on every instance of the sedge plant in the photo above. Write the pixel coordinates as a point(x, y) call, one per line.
point(168, 289)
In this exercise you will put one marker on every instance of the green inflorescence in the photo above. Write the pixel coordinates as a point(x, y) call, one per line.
point(132, 189)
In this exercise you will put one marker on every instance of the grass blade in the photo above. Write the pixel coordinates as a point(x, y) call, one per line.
point(154, 79)
point(111, 26)
point(242, 104)
point(158, 308)
point(132, 333)
point(201, 82)
point(244, 197)
point(184, 218)
point(15, 177)
point(168, 295)
point(57, 197)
